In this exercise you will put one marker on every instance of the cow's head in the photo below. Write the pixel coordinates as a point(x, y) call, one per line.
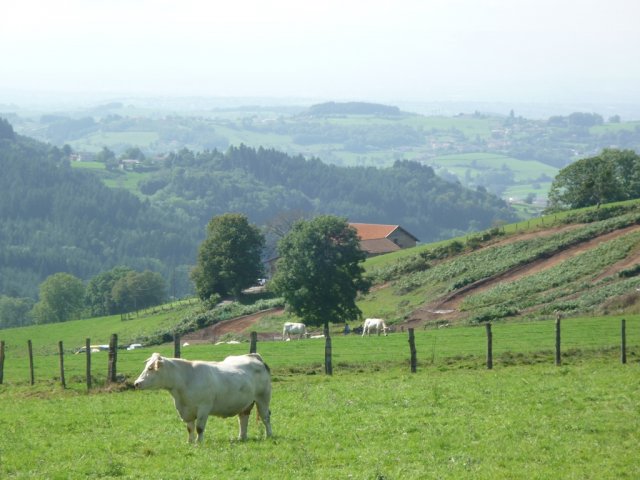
point(151, 376)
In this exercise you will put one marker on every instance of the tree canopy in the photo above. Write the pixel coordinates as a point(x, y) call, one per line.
point(319, 272)
point(137, 290)
point(612, 176)
point(61, 299)
point(229, 259)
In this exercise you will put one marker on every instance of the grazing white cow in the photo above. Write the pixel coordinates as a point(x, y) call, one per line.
point(374, 324)
point(289, 328)
point(223, 389)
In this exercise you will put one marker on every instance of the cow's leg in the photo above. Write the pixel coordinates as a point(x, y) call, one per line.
point(191, 428)
point(201, 423)
point(265, 415)
point(243, 422)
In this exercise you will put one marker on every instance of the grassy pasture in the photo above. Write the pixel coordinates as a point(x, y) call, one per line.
point(372, 419)
point(95, 141)
point(119, 179)
point(527, 342)
point(529, 422)
point(477, 162)
point(614, 127)
point(540, 190)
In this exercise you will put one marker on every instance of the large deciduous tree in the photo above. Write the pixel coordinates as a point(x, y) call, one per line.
point(229, 259)
point(319, 272)
point(137, 290)
point(15, 312)
point(61, 298)
point(99, 291)
point(611, 176)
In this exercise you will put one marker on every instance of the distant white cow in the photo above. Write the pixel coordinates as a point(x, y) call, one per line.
point(289, 328)
point(374, 324)
point(223, 389)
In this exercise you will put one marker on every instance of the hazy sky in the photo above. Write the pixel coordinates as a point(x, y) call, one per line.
point(418, 50)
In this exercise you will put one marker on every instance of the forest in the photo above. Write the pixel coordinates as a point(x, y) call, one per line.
point(57, 218)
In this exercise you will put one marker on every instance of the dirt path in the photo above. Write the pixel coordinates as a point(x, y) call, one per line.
point(234, 325)
point(447, 309)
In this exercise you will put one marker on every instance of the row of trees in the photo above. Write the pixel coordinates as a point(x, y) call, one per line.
point(63, 297)
point(318, 274)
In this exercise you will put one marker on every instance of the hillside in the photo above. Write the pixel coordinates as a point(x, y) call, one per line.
point(581, 263)
point(55, 217)
point(264, 184)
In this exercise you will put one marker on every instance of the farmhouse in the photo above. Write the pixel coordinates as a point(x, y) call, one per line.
point(377, 239)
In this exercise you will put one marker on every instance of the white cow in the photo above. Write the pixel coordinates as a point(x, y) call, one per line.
point(374, 324)
point(289, 328)
point(223, 389)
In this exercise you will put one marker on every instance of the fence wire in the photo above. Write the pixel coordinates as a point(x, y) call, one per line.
point(526, 342)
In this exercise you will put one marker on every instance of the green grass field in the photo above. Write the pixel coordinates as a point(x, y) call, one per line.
point(372, 419)
point(524, 169)
point(464, 346)
point(521, 422)
point(95, 142)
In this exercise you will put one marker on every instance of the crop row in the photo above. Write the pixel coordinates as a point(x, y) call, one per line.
point(468, 268)
point(570, 277)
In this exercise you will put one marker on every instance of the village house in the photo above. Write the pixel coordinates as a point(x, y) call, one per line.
point(376, 239)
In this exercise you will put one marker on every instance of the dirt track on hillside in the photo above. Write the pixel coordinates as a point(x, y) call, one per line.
point(446, 309)
point(238, 325)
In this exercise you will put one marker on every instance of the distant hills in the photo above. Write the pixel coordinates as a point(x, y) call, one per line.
point(55, 218)
point(353, 108)
point(477, 145)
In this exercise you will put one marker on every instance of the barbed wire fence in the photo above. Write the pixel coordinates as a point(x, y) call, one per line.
point(484, 347)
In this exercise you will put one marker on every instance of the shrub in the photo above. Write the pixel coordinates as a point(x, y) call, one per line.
point(630, 272)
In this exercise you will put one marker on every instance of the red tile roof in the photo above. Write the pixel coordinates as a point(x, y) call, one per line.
point(369, 231)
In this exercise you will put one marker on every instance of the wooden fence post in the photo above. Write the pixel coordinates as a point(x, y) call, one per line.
point(113, 358)
point(61, 353)
point(623, 332)
point(176, 345)
point(31, 373)
point(328, 368)
point(412, 349)
point(489, 346)
point(253, 347)
point(88, 351)
point(1, 361)
point(558, 353)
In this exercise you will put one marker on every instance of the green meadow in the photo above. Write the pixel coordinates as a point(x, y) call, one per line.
point(372, 419)
point(476, 163)
point(537, 421)
point(95, 141)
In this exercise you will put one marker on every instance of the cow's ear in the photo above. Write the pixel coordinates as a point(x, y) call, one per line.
point(158, 363)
